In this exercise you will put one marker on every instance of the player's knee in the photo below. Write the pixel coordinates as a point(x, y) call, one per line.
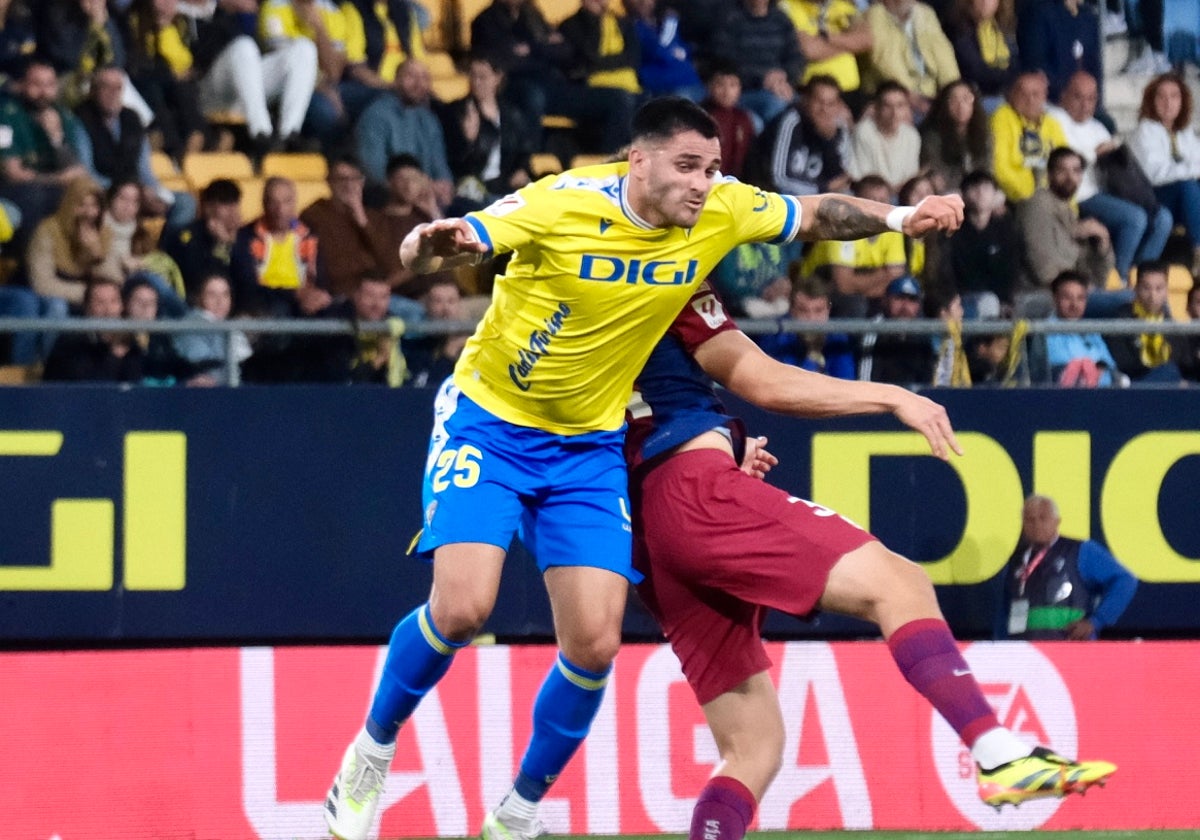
point(459, 620)
point(593, 651)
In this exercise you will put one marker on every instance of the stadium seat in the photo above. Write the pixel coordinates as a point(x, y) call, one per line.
point(309, 191)
point(544, 163)
point(556, 11)
point(589, 160)
point(298, 166)
point(252, 197)
point(202, 168)
point(162, 166)
point(440, 64)
point(557, 121)
point(450, 88)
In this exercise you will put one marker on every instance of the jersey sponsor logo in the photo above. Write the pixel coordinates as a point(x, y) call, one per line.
point(711, 310)
point(539, 345)
point(504, 206)
point(606, 269)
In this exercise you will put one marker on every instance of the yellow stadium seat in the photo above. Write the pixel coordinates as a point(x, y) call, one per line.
point(436, 35)
point(588, 160)
point(544, 163)
point(450, 88)
point(440, 65)
point(557, 121)
point(202, 168)
point(252, 197)
point(307, 166)
point(309, 191)
point(556, 11)
point(162, 166)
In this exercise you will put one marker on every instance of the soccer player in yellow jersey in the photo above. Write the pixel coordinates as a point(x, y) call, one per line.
point(528, 432)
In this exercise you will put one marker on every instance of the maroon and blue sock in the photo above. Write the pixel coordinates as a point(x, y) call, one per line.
point(928, 657)
point(723, 810)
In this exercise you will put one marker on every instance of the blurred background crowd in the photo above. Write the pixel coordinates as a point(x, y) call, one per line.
point(214, 159)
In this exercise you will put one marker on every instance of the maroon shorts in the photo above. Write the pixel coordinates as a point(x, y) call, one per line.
point(718, 548)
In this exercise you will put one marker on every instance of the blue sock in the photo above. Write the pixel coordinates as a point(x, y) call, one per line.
point(562, 715)
point(418, 656)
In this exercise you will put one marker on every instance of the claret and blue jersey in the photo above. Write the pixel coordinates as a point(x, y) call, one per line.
point(590, 289)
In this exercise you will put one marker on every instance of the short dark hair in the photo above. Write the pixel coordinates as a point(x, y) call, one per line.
point(890, 86)
point(346, 159)
point(720, 67)
point(402, 161)
point(135, 282)
point(1153, 267)
point(976, 177)
point(1064, 152)
point(221, 191)
point(821, 79)
point(809, 285)
point(870, 182)
point(665, 116)
point(1065, 277)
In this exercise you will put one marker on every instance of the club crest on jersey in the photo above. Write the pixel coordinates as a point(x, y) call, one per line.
point(605, 269)
point(710, 309)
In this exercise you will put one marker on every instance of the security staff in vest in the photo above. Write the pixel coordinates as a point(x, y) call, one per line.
point(1059, 588)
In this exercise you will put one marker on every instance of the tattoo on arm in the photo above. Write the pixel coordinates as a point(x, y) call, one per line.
point(841, 219)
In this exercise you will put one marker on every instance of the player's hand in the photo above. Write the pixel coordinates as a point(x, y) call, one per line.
point(935, 212)
point(930, 419)
point(1081, 630)
point(448, 238)
point(757, 461)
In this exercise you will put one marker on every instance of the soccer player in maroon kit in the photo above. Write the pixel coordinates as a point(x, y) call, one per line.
point(718, 547)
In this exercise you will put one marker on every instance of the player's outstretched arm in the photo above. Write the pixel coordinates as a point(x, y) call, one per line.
point(445, 243)
point(735, 361)
point(842, 217)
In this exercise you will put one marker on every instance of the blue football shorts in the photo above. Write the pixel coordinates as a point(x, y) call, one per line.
point(565, 496)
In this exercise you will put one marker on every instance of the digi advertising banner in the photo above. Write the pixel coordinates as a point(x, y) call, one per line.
point(282, 514)
point(241, 744)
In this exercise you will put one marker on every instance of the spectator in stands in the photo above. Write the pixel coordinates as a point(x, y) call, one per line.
point(752, 279)
point(1054, 237)
point(699, 22)
point(1168, 149)
point(859, 271)
point(1189, 359)
point(42, 145)
point(78, 37)
point(1144, 31)
point(833, 34)
point(919, 260)
point(828, 353)
point(951, 368)
point(25, 348)
point(207, 351)
point(161, 364)
point(363, 243)
point(955, 136)
point(982, 259)
point(120, 149)
point(18, 41)
point(273, 265)
point(1138, 233)
point(533, 52)
point(757, 37)
point(1056, 587)
point(1149, 358)
point(735, 126)
point(336, 30)
point(68, 249)
point(1023, 135)
point(995, 359)
point(235, 75)
point(898, 358)
point(111, 356)
point(127, 237)
point(160, 67)
point(1060, 37)
point(908, 46)
point(806, 149)
point(488, 140)
point(403, 122)
point(363, 358)
point(203, 247)
point(885, 142)
point(602, 64)
point(1077, 359)
point(985, 46)
point(432, 359)
point(666, 67)
point(391, 33)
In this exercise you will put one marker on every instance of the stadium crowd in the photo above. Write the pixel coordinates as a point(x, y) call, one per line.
point(210, 159)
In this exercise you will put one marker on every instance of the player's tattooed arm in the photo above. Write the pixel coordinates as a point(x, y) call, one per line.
point(838, 217)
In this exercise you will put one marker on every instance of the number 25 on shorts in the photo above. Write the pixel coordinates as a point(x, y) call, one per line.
point(458, 465)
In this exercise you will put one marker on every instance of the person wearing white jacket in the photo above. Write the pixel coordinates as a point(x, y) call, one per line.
point(1168, 148)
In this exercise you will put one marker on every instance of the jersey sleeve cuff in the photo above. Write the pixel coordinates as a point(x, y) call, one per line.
point(480, 232)
point(791, 222)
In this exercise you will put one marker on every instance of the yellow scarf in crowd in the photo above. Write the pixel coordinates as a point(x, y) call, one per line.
point(1155, 349)
point(612, 42)
point(992, 46)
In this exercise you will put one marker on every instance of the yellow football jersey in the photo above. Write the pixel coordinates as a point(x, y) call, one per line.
point(590, 289)
point(876, 252)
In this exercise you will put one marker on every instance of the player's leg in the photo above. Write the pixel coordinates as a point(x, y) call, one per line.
point(747, 724)
point(581, 538)
point(879, 585)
